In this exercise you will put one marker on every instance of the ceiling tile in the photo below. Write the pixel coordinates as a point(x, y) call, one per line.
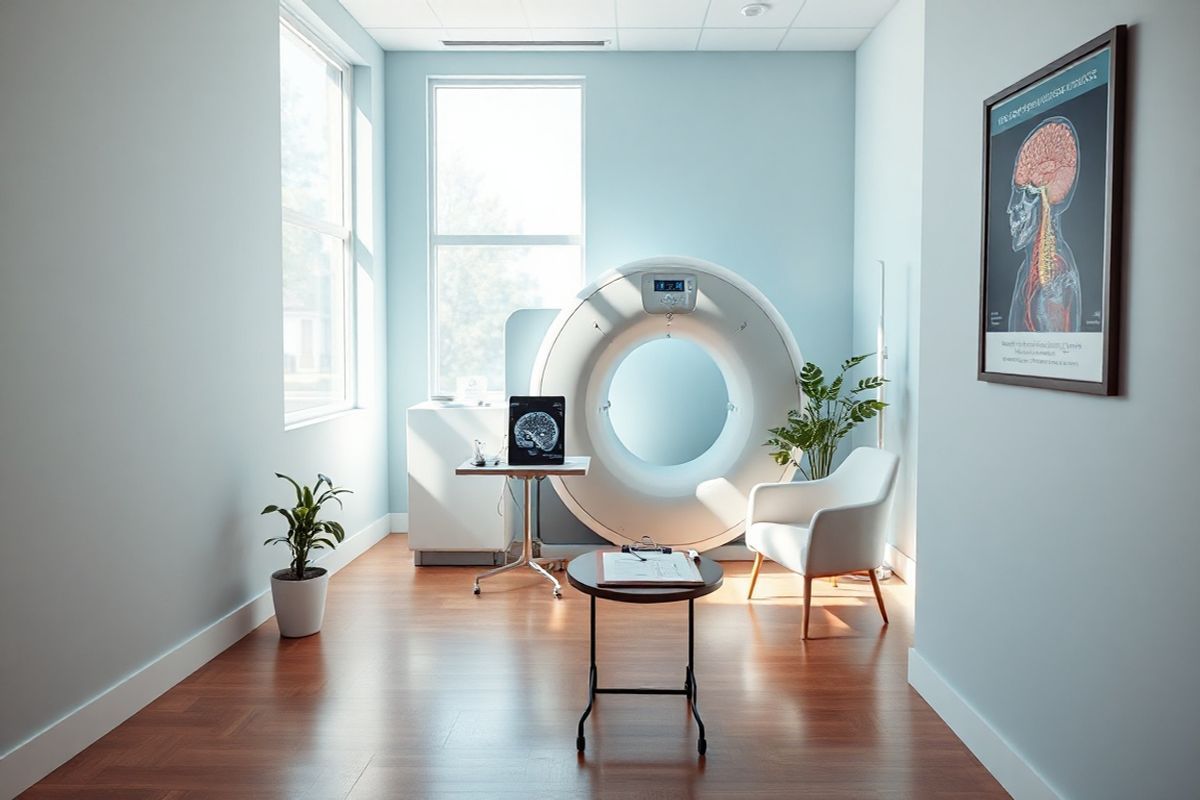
point(407, 38)
point(646, 25)
point(571, 13)
point(486, 35)
point(842, 13)
point(728, 14)
point(480, 13)
point(392, 13)
point(659, 38)
point(741, 38)
point(661, 13)
point(824, 38)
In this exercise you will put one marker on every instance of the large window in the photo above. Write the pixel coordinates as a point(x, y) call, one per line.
point(506, 217)
point(317, 266)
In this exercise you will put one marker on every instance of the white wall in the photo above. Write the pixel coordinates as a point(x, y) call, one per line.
point(1059, 538)
point(141, 412)
point(888, 93)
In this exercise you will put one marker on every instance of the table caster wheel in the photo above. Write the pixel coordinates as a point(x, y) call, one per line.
point(703, 746)
point(580, 743)
point(475, 590)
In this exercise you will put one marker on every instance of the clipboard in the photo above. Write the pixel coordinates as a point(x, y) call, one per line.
point(663, 570)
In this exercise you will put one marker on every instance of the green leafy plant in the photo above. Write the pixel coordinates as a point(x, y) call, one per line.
point(827, 417)
point(305, 532)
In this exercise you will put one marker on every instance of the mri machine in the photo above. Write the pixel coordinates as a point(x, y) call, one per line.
point(687, 313)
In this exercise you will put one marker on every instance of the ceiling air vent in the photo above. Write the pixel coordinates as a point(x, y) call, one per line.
point(527, 43)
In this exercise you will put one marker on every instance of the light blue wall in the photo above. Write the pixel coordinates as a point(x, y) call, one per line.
point(141, 335)
point(1059, 537)
point(742, 159)
point(889, 97)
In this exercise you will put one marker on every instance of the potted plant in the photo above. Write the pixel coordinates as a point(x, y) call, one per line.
point(828, 416)
point(299, 591)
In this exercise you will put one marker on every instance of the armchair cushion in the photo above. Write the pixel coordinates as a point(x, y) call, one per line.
point(783, 544)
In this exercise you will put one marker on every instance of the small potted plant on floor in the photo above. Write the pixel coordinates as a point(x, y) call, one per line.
point(299, 591)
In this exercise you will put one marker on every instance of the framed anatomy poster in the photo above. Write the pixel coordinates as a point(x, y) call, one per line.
point(1052, 187)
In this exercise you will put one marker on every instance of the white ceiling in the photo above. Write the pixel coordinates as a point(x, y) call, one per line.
point(622, 24)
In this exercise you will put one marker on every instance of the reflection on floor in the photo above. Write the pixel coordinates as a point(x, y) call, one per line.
point(418, 689)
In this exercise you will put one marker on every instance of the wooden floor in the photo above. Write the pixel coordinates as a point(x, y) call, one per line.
point(418, 689)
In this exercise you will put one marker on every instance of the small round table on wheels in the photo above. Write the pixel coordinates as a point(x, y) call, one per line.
point(582, 574)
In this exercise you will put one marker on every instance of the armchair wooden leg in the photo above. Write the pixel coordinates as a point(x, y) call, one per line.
point(878, 595)
point(807, 606)
point(758, 559)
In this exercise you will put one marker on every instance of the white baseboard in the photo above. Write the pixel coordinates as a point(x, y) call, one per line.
point(904, 567)
point(998, 756)
point(356, 545)
point(399, 521)
point(38, 756)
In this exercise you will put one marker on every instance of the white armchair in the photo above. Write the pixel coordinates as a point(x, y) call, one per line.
point(827, 527)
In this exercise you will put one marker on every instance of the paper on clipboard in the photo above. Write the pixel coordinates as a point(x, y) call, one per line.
point(651, 569)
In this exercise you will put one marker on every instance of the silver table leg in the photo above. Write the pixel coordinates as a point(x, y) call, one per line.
point(526, 558)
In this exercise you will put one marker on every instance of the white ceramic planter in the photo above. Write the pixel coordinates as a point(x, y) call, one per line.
point(299, 605)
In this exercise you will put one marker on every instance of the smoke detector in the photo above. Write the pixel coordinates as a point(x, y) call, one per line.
point(755, 9)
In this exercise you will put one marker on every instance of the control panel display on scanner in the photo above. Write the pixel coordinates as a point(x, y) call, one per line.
point(669, 293)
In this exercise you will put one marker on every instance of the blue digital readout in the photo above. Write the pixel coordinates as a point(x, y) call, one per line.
point(668, 286)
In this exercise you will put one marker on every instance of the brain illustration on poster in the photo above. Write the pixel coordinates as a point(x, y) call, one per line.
point(1046, 294)
point(1047, 226)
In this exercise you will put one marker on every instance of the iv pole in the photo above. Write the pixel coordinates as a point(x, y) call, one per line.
point(884, 572)
point(881, 354)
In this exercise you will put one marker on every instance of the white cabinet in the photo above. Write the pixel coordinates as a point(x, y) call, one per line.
point(453, 520)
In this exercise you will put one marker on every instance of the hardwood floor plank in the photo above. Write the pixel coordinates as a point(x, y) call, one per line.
point(417, 688)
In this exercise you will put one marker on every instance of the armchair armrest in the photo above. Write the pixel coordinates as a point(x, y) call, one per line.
point(847, 538)
point(790, 503)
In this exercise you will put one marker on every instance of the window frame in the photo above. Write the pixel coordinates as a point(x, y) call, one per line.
point(293, 25)
point(433, 83)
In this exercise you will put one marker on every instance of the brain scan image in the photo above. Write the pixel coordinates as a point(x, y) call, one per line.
point(1046, 295)
point(535, 431)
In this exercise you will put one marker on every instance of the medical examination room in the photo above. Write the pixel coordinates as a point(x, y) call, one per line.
point(599, 399)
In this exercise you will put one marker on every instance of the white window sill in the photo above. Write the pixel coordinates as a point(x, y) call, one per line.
point(324, 417)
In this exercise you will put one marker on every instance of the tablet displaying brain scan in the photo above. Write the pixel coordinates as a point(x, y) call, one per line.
point(535, 430)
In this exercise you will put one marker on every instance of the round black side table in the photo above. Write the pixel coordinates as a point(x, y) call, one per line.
point(582, 574)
